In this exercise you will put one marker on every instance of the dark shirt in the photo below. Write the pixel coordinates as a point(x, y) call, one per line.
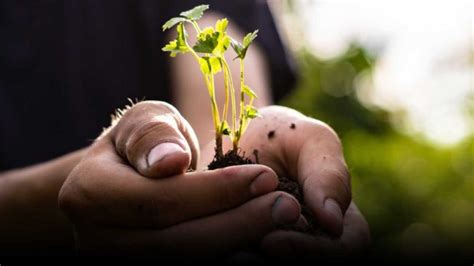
point(65, 66)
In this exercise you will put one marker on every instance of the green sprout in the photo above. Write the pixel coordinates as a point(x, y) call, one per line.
point(211, 45)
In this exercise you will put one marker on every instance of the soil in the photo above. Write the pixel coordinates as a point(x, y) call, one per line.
point(271, 134)
point(286, 184)
point(292, 187)
point(229, 159)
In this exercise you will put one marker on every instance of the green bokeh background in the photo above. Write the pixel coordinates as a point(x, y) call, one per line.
point(417, 196)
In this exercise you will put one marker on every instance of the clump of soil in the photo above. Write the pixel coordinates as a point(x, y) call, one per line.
point(229, 159)
point(271, 134)
point(292, 187)
point(286, 184)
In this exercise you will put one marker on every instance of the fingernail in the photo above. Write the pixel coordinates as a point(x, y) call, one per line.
point(285, 211)
point(263, 183)
point(332, 207)
point(160, 151)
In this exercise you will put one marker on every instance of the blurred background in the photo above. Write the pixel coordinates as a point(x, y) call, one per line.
point(395, 80)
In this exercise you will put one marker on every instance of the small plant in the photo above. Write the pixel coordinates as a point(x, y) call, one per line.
point(209, 50)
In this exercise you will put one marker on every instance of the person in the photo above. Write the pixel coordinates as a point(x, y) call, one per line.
point(67, 64)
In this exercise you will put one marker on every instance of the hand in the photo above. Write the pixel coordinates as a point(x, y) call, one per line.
point(354, 240)
point(131, 192)
point(310, 151)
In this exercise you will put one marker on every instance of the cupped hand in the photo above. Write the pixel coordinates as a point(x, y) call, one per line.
point(309, 151)
point(132, 192)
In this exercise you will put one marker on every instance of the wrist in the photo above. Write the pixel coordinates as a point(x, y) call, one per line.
point(28, 204)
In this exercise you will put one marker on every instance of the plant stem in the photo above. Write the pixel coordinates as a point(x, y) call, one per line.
point(209, 79)
point(242, 103)
point(196, 27)
point(232, 96)
point(215, 115)
point(226, 87)
point(219, 153)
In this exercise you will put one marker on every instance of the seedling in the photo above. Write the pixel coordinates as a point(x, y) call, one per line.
point(209, 50)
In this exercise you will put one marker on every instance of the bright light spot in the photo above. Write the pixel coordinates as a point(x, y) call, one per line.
point(425, 49)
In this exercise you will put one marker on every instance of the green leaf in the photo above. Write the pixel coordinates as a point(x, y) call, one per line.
point(241, 49)
point(205, 66)
point(210, 65)
point(237, 47)
point(207, 41)
point(172, 22)
point(221, 25)
point(171, 47)
point(251, 112)
point(178, 45)
point(212, 42)
point(206, 31)
point(225, 128)
point(216, 64)
point(195, 13)
point(247, 90)
point(248, 39)
point(223, 43)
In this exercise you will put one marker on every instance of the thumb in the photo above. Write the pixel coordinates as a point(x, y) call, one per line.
point(154, 138)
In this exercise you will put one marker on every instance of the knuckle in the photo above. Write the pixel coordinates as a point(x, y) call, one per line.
point(66, 199)
point(71, 199)
point(78, 198)
point(324, 130)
